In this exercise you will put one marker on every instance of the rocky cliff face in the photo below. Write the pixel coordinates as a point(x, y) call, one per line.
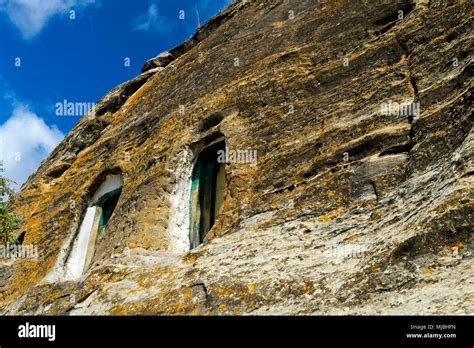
point(354, 206)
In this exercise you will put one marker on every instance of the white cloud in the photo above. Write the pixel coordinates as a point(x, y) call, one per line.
point(25, 140)
point(153, 21)
point(31, 16)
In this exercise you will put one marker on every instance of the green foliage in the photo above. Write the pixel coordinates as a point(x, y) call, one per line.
point(9, 220)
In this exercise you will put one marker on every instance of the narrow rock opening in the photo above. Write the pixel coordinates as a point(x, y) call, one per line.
point(388, 22)
point(211, 122)
point(119, 95)
point(394, 150)
point(394, 17)
point(21, 238)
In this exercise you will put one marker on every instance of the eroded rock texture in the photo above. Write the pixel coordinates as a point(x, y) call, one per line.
point(348, 210)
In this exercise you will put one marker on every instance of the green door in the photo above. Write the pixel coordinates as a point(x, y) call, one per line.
point(207, 193)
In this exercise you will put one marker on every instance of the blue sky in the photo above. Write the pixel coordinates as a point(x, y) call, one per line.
point(49, 54)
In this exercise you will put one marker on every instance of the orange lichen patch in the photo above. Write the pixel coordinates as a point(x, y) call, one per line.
point(457, 246)
point(120, 309)
point(441, 38)
point(442, 208)
point(351, 238)
point(135, 96)
point(375, 267)
point(427, 270)
point(172, 301)
point(331, 215)
point(191, 257)
point(195, 312)
point(279, 24)
point(332, 6)
point(377, 213)
point(186, 296)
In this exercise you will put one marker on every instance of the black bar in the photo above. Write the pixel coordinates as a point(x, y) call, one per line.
point(328, 330)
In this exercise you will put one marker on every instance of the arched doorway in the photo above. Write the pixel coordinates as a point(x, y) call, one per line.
point(98, 214)
point(207, 192)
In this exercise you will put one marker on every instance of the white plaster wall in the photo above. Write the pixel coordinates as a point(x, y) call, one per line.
point(178, 225)
point(77, 259)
